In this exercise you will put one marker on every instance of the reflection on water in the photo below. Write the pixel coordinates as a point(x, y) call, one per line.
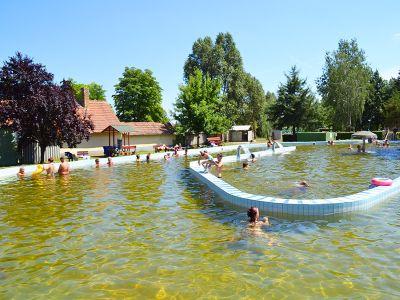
point(330, 171)
point(151, 231)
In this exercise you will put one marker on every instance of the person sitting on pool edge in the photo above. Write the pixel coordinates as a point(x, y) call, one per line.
point(254, 217)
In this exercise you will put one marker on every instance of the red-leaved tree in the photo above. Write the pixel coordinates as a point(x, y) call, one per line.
point(37, 109)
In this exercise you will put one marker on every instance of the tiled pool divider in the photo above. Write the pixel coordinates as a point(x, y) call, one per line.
point(10, 173)
point(299, 207)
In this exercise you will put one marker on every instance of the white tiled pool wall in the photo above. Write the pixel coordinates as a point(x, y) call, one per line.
point(299, 207)
point(10, 173)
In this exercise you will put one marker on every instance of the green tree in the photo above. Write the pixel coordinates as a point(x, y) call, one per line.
point(373, 115)
point(392, 111)
point(265, 122)
point(294, 104)
point(96, 91)
point(220, 60)
point(198, 107)
point(254, 103)
point(344, 85)
point(138, 97)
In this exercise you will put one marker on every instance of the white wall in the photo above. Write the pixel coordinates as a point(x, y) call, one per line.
point(152, 139)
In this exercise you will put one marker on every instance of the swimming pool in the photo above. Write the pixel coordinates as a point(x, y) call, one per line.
point(330, 171)
point(153, 231)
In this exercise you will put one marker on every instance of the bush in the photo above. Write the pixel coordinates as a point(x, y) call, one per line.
point(343, 135)
point(289, 138)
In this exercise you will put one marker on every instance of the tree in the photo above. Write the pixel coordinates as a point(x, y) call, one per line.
point(37, 109)
point(220, 60)
point(392, 111)
point(344, 85)
point(254, 102)
point(198, 107)
point(96, 91)
point(294, 103)
point(373, 115)
point(138, 97)
point(265, 123)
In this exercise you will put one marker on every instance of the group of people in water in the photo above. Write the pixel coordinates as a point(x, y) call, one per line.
point(49, 169)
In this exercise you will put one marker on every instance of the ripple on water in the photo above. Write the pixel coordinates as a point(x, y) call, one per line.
point(152, 231)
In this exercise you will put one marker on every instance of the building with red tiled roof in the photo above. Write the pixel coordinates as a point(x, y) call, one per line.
point(108, 129)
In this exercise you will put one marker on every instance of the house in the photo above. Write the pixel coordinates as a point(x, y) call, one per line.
point(240, 133)
point(148, 134)
point(110, 131)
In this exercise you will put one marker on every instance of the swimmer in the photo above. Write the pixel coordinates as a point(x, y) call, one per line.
point(359, 149)
point(245, 166)
point(253, 157)
point(109, 161)
point(50, 169)
point(21, 172)
point(350, 148)
point(63, 169)
point(148, 157)
point(167, 156)
point(254, 218)
point(97, 163)
point(137, 157)
point(304, 183)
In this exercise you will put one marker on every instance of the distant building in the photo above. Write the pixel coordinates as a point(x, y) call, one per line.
point(240, 133)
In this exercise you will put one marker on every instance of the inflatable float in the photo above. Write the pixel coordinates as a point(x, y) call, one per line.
point(381, 181)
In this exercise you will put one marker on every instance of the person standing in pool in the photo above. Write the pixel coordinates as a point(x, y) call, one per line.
point(63, 169)
point(254, 218)
point(50, 169)
point(21, 173)
point(218, 164)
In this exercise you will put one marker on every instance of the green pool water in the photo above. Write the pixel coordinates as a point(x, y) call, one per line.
point(330, 171)
point(151, 231)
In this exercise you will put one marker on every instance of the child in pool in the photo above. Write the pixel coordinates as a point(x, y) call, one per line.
point(97, 163)
point(21, 172)
point(254, 217)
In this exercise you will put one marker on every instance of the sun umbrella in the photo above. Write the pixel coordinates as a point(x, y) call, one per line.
point(363, 135)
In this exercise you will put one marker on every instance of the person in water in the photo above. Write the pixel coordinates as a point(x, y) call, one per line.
point(304, 183)
point(218, 165)
point(254, 217)
point(97, 163)
point(148, 157)
point(109, 161)
point(49, 168)
point(137, 157)
point(63, 169)
point(21, 172)
point(350, 148)
point(245, 165)
point(253, 157)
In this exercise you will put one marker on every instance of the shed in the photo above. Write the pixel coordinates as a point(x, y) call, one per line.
point(241, 133)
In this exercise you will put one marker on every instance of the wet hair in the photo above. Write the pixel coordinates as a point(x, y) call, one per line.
point(252, 155)
point(51, 159)
point(97, 160)
point(252, 214)
point(137, 156)
point(245, 164)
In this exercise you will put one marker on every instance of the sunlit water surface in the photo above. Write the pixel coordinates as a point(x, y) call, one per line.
point(330, 172)
point(152, 231)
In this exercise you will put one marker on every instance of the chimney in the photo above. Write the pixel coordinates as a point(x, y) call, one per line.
point(85, 97)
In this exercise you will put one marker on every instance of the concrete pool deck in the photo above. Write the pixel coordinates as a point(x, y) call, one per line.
point(298, 207)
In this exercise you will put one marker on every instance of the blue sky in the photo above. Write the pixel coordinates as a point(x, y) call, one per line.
point(95, 40)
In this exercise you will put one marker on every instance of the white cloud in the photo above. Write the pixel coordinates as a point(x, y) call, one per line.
point(390, 73)
point(396, 36)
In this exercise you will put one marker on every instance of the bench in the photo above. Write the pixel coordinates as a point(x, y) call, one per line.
point(214, 140)
point(83, 154)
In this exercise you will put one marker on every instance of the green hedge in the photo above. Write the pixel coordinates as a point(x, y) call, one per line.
point(315, 136)
point(347, 135)
point(8, 149)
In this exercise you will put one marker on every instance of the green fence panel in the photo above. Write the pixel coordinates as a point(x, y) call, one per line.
point(8, 149)
point(315, 136)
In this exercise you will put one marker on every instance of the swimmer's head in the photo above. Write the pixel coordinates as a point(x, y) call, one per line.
point(62, 158)
point(252, 156)
point(252, 214)
point(304, 183)
point(245, 165)
point(50, 160)
point(97, 161)
point(22, 170)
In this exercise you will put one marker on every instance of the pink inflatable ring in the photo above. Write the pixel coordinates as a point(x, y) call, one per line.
point(381, 181)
